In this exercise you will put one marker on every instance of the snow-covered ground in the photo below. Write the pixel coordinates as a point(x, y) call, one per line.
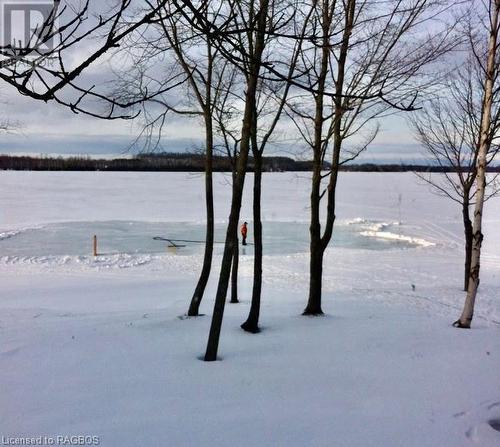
point(96, 346)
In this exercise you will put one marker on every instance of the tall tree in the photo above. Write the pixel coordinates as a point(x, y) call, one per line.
point(490, 72)
point(175, 45)
point(367, 59)
point(254, 16)
point(227, 117)
point(269, 108)
point(201, 81)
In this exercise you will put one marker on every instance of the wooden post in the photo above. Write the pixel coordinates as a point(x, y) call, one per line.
point(95, 245)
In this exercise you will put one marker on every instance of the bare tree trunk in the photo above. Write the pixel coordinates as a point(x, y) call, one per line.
point(485, 141)
point(238, 184)
point(316, 249)
point(252, 322)
point(468, 242)
point(232, 229)
point(234, 273)
point(228, 256)
point(194, 307)
point(236, 255)
point(319, 241)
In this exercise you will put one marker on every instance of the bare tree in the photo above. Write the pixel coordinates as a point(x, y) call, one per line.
point(489, 66)
point(381, 82)
point(202, 84)
point(269, 108)
point(448, 127)
point(366, 60)
point(228, 117)
point(50, 64)
point(256, 16)
point(181, 50)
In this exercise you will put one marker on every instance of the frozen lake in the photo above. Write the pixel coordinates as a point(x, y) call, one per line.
point(77, 330)
point(57, 213)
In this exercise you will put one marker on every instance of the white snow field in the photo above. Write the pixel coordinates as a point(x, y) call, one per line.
point(95, 347)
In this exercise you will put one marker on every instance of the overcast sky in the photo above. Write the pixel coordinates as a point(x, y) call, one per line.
point(52, 129)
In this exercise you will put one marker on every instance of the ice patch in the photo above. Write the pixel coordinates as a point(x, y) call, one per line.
point(53, 242)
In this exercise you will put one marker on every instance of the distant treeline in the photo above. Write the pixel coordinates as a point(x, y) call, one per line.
point(185, 162)
point(145, 162)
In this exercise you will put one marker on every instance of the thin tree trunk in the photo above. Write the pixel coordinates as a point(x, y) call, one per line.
point(194, 307)
point(315, 281)
point(319, 242)
point(238, 184)
point(236, 255)
point(468, 231)
point(252, 322)
point(220, 298)
point(229, 247)
point(316, 249)
point(234, 273)
point(206, 104)
point(468, 312)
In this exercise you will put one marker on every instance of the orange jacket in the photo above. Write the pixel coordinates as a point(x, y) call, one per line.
point(244, 230)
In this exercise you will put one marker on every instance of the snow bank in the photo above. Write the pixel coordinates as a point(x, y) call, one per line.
point(397, 237)
point(8, 234)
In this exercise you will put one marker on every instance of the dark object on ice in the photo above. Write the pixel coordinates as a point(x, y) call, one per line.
point(172, 242)
point(244, 232)
point(413, 287)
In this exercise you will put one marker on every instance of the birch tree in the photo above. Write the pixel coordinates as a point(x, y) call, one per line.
point(489, 63)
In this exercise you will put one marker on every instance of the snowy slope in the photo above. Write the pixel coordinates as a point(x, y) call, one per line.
point(96, 346)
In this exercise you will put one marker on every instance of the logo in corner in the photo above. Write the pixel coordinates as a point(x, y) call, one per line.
point(28, 27)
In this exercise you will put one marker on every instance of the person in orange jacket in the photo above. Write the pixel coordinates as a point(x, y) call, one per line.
point(244, 232)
